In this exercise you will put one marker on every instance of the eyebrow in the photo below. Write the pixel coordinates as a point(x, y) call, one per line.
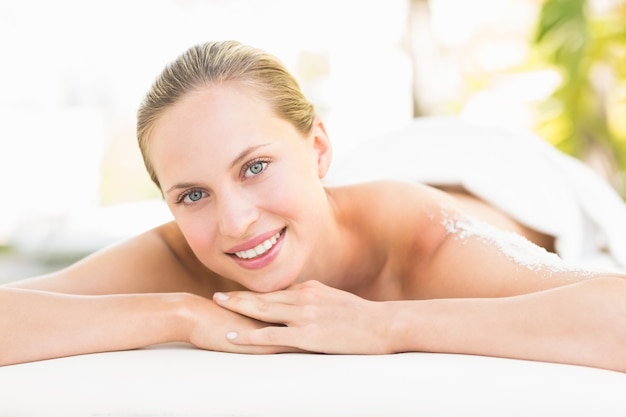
point(245, 153)
point(235, 162)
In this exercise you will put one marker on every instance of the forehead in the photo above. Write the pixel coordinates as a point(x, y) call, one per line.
point(208, 114)
point(214, 105)
point(213, 124)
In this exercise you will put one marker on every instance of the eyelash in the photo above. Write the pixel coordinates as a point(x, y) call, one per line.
point(181, 198)
point(248, 165)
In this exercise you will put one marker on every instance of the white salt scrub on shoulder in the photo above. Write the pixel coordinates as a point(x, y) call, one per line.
point(512, 245)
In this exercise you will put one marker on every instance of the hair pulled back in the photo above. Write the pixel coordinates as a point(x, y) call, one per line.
point(221, 62)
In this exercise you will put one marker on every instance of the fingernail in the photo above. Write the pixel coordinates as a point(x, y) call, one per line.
point(220, 296)
point(231, 335)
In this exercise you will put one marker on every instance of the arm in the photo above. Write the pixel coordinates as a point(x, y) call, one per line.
point(36, 325)
point(518, 301)
point(582, 323)
point(158, 260)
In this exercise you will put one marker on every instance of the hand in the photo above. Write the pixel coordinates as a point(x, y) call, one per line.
point(314, 317)
point(209, 323)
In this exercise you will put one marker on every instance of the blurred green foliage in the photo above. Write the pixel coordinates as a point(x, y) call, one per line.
point(587, 112)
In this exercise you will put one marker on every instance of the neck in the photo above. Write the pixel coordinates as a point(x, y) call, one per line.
point(346, 257)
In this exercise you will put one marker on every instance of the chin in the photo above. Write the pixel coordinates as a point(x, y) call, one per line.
point(269, 286)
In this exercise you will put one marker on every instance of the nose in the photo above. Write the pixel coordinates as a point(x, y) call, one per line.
point(237, 212)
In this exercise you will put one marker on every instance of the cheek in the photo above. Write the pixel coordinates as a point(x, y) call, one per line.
point(286, 199)
point(199, 233)
point(301, 202)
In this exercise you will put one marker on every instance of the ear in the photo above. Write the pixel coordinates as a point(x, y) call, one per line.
point(322, 149)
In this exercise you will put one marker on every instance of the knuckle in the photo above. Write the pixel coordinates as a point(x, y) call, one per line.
point(309, 313)
point(312, 284)
point(309, 292)
point(264, 307)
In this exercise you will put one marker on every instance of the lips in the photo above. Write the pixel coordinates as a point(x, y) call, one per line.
point(260, 249)
point(258, 252)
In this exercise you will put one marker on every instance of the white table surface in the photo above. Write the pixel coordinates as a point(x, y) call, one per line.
point(178, 380)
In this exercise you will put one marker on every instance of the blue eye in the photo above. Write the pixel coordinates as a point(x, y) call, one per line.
point(192, 196)
point(255, 168)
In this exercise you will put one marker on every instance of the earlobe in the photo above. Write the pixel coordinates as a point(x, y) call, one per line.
point(322, 147)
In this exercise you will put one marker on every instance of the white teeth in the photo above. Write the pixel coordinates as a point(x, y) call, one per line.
point(260, 249)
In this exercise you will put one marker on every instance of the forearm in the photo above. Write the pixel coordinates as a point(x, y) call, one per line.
point(582, 323)
point(37, 325)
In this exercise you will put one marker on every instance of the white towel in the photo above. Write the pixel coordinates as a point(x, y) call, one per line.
point(520, 174)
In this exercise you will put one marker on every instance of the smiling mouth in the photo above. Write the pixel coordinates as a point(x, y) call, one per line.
point(260, 249)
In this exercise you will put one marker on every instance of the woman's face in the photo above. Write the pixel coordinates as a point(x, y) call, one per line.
point(243, 184)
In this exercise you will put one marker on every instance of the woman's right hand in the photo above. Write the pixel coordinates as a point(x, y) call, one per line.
point(208, 325)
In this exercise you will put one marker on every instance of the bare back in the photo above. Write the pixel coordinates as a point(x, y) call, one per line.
point(420, 259)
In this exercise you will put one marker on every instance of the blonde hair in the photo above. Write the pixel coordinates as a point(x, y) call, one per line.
point(217, 63)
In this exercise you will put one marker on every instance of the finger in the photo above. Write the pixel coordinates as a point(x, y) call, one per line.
point(256, 349)
point(267, 336)
point(287, 296)
point(256, 306)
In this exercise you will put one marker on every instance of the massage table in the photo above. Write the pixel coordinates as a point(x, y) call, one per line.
point(179, 380)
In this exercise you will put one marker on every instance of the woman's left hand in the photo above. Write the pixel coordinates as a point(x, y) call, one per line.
point(315, 318)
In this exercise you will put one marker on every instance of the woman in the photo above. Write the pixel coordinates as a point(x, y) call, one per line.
point(263, 258)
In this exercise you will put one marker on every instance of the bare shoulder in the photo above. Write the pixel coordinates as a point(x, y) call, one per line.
point(403, 214)
point(158, 260)
point(390, 194)
point(418, 202)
